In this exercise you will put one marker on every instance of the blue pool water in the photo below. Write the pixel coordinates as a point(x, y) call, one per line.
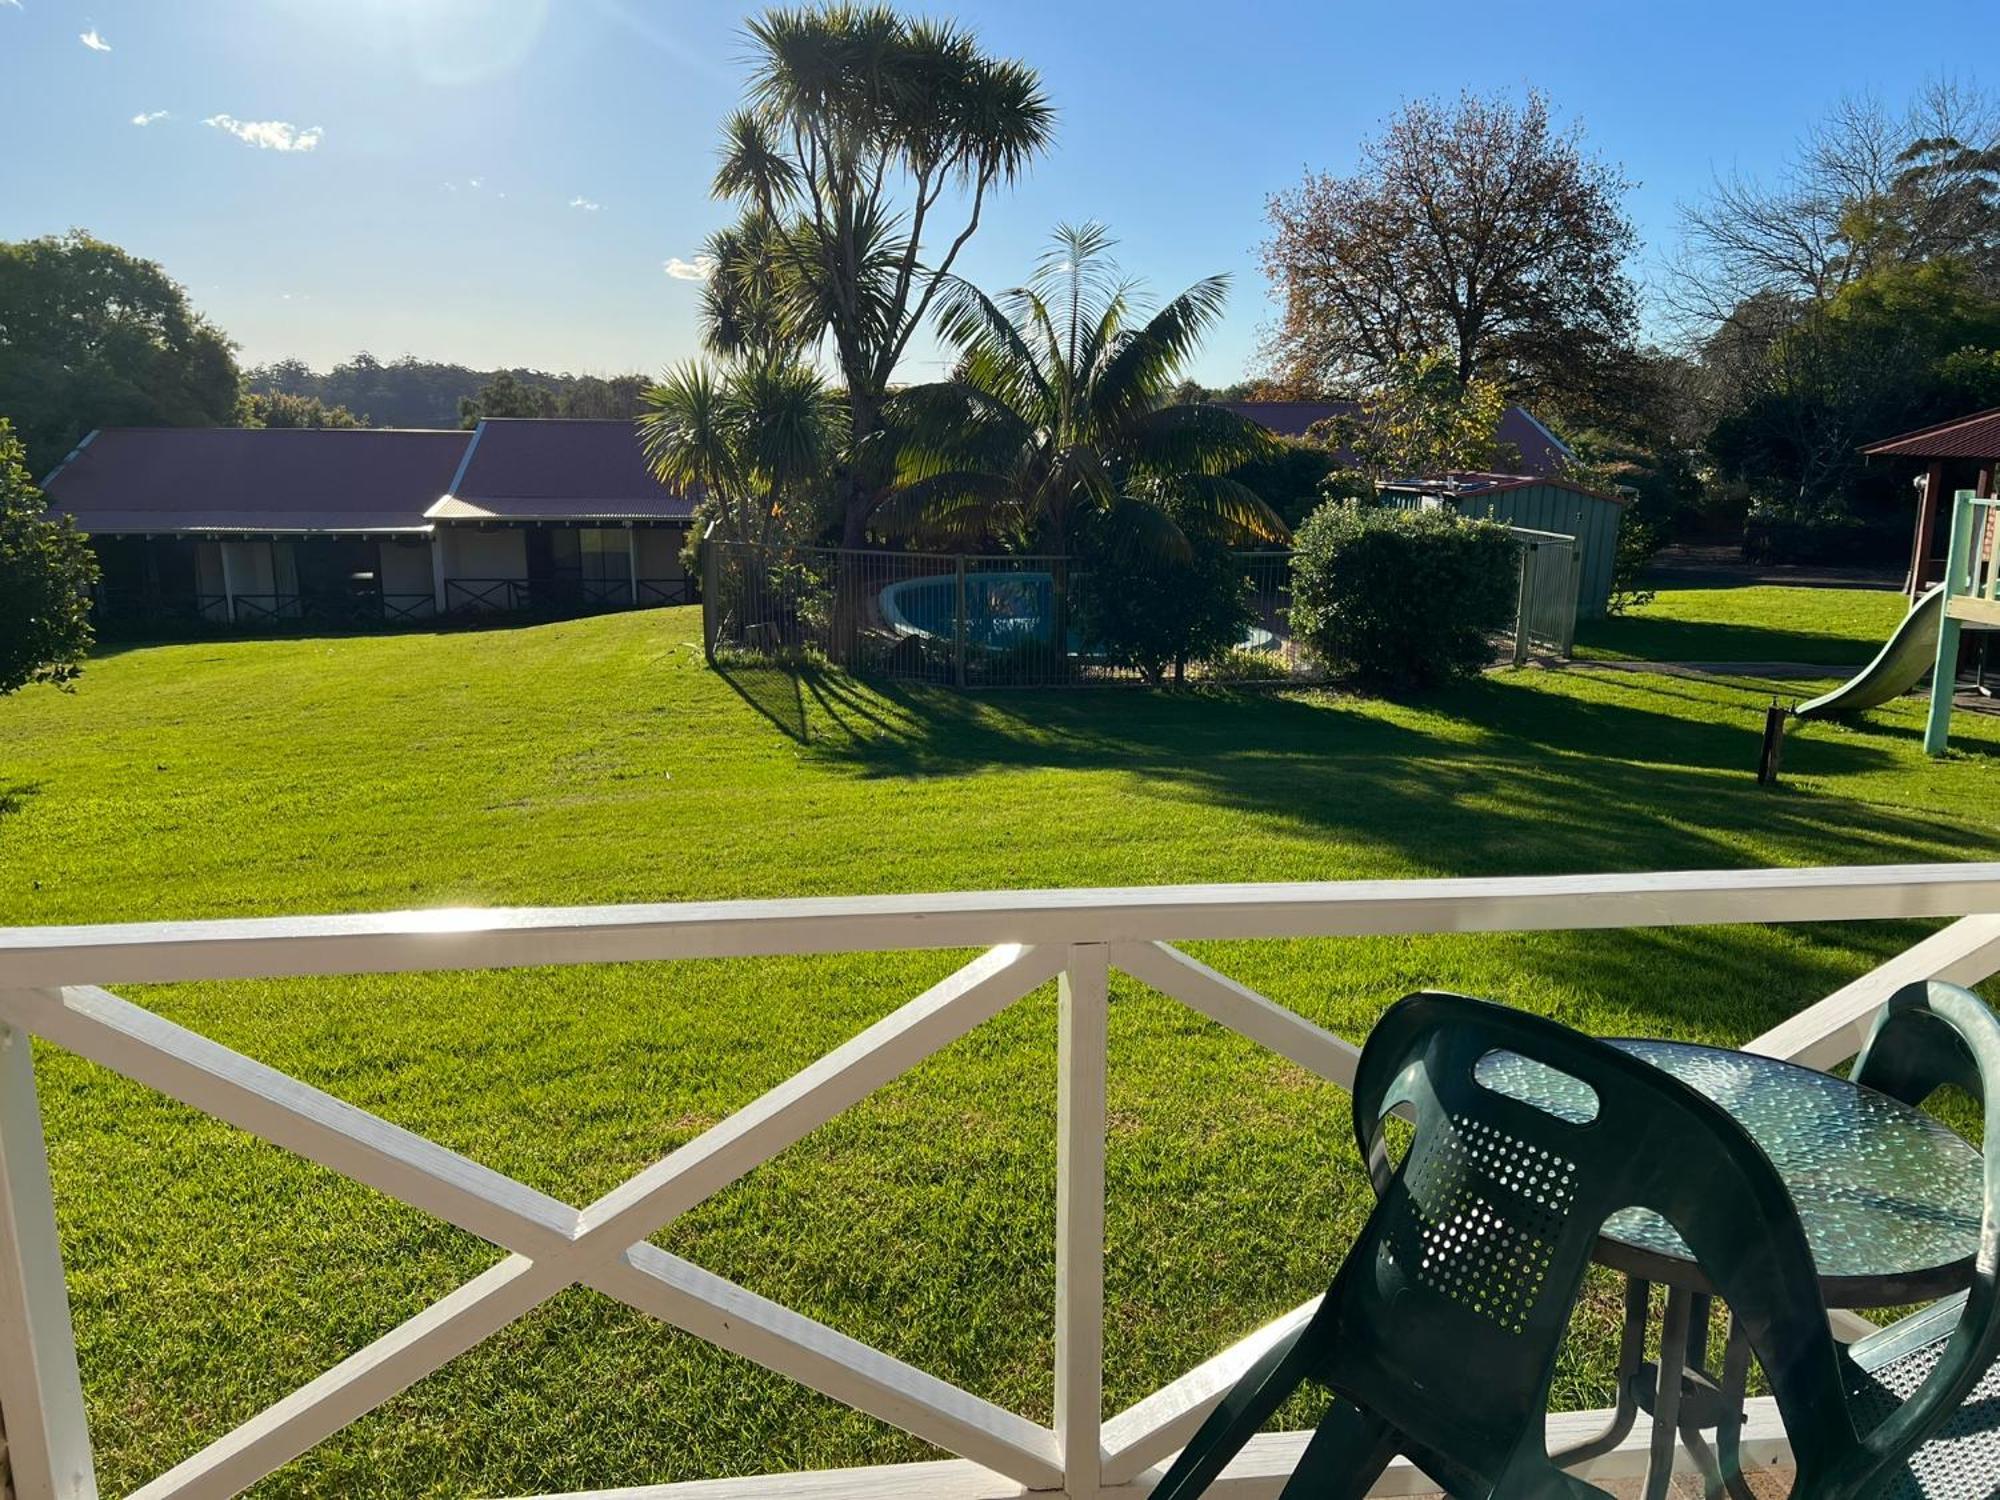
point(1002, 610)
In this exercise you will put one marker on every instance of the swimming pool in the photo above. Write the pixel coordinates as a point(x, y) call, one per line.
point(1003, 610)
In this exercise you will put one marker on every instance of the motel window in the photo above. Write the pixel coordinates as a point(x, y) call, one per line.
point(605, 555)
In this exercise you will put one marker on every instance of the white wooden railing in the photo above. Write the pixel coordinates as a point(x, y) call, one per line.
point(49, 987)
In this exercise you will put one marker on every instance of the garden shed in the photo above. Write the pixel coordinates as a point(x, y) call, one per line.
point(1533, 503)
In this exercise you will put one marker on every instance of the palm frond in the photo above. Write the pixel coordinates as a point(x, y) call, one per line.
point(1223, 509)
point(1195, 437)
point(1135, 526)
point(994, 353)
point(960, 507)
point(1149, 362)
point(952, 425)
point(751, 166)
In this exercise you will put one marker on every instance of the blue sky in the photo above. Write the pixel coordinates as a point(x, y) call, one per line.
point(504, 181)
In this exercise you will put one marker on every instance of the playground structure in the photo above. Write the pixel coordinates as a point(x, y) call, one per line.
point(1905, 658)
point(1970, 596)
point(1927, 640)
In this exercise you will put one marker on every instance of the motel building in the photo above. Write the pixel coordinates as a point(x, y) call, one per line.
point(274, 527)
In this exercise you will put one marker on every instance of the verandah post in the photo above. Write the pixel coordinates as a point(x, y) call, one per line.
point(41, 1397)
point(1081, 1049)
point(1944, 676)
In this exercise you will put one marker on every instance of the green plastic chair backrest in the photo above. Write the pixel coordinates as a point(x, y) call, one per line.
point(1452, 1306)
point(1928, 1036)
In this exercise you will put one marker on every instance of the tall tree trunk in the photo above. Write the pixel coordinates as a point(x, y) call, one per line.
point(858, 487)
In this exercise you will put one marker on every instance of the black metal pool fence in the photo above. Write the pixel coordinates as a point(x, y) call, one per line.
point(1003, 620)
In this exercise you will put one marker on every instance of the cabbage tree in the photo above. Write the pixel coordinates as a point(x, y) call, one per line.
point(752, 443)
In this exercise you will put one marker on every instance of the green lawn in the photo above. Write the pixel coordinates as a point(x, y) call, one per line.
point(1822, 627)
point(599, 761)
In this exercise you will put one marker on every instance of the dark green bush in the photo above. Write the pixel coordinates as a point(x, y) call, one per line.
point(1139, 607)
point(1827, 540)
point(1401, 598)
point(1289, 477)
point(46, 570)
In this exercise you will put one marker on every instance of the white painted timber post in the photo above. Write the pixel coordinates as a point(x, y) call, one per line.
point(41, 1398)
point(1080, 1095)
point(228, 582)
point(437, 571)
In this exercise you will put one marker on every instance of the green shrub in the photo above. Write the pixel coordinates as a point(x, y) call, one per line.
point(1638, 540)
point(1144, 608)
point(1399, 598)
point(46, 570)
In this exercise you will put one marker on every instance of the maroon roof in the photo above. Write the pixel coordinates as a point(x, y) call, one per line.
point(1543, 454)
point(527, 468)
point(1291, 418)
point(1976, 436)
point(1482, 482)
point(158, 479)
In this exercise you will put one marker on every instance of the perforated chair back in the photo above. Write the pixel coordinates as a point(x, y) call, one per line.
point(1439, 1335)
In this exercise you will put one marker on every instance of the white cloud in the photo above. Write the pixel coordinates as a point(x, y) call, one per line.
point(269, 135)
point(15, 3)
point(94, 42)
point(150, 117)
point(699, 269)
point(583, 203)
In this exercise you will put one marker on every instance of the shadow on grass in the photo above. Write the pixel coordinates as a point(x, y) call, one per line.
point(772, 688)
point(1491, 777)
point(14, 797)
point(1653, 639)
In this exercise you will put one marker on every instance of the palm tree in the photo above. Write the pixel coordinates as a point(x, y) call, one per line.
point(1060, 411)
point(862, 161)
point(753, 443)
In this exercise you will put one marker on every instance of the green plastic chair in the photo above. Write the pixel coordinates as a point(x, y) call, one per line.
point(1935, 1372)
point(1439, 1335)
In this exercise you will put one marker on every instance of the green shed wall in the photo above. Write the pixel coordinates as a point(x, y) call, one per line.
point(1552, 507)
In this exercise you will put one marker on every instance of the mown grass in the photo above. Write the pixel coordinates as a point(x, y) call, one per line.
point(599, 761)
point(1761, 623)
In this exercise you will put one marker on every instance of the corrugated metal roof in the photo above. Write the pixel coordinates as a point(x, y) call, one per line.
point(1542, 453)
point(126, 480)
point(1976, 436)
point(526, 468)
point(158, 479)
point(1479, 482)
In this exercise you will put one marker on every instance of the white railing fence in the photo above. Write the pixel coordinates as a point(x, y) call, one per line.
point(49, 980)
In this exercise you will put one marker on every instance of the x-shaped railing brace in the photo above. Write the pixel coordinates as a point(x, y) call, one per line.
point(553, 1245)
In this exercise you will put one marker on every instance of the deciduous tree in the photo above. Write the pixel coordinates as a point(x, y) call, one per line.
point(1422, 419)
point(1476, 228)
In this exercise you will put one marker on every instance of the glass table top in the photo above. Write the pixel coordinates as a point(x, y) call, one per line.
point(1885, 1192)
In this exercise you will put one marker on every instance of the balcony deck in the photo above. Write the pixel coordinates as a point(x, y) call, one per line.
point(52, 990)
